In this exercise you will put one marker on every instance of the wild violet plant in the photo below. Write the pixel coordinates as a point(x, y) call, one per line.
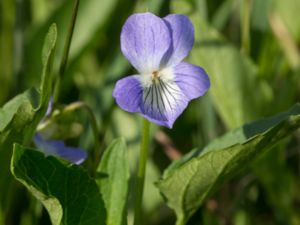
point(92, 188)
point(156, 47)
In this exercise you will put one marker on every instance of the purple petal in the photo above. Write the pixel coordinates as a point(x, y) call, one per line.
point(145, 39)
point(182, 32)
point(59, 149)
point(128, 93)
point(163, 103)
point(192, 80)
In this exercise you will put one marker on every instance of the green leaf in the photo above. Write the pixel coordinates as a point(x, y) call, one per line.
point(47, 62)
point(21, 115)
point(16, 118)
point(196, 177)
point(67, 192)
point(8, 111)
point(29, 105)
point(114, 171)
point(232, 74)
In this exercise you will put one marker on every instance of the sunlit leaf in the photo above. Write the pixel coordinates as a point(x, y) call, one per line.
point(113, 182)
point(47, 62)
point(195, 178)
point(67, 192)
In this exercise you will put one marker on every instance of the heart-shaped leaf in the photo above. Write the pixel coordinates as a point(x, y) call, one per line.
point(68, 193)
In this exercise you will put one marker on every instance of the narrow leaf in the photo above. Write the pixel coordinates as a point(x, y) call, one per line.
point(113, 181)
point(47, 62)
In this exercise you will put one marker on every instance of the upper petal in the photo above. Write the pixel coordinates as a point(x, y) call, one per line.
point(182, 32)
point(192, 79)
point(145, 38)
point(128, 93)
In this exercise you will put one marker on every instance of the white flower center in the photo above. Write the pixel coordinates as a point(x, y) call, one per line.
point(161, 95)
point(164, 75)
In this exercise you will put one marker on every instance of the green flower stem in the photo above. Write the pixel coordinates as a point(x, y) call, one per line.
point(245, 25)
point(96, 152)
point(64, 60)
point(141, 172)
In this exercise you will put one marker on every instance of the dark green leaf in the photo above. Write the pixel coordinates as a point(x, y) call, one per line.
point(113, 183)
point(194, 178)
point(67, 192)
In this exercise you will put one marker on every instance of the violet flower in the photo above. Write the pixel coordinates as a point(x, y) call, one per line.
point(156, 47)
point(57, 147)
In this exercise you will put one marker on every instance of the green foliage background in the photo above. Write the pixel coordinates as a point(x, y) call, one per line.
point(248, 176)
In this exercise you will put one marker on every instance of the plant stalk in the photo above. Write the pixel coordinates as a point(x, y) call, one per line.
point(64, 60)
point(96, 154)
point(141, 172)
point(245, 26)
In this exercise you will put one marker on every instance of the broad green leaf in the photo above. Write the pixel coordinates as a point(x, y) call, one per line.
point(68, 193)
point(21, 115)
point(232, 74)
point(196, 177)
point(113, 183)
